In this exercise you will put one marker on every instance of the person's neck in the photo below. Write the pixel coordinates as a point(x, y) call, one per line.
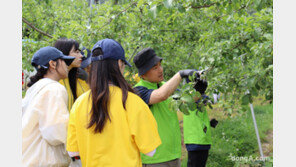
point(52, 76)
point(151, 81)
point(70, 67)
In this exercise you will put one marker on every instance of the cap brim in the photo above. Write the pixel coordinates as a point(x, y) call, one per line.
point(68, 59)
point(86, 62)
point(127, 63)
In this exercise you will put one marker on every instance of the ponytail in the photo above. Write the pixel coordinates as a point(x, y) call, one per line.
point(39, 75)
point(41, 72)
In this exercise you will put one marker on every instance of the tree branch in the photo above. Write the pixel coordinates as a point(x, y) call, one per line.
point(219, 17)
point(32, 26)
point(171, 30)
point(133, 53)
point(118, 15)
point(204, 6)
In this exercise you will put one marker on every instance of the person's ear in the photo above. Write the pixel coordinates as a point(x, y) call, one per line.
point(52, 64)
point(143, 76)
point(120, 63)
point(121, 66)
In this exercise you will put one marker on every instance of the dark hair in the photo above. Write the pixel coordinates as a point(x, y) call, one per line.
point(103, 73)
point(40, 74)
point(65, 45)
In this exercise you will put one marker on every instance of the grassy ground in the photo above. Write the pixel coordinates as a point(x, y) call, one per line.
point(234, 139)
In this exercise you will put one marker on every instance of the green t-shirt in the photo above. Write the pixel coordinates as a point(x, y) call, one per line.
point(168, 129)
point(197, 128)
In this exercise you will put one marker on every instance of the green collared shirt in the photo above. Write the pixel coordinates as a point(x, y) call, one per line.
point(168, 128)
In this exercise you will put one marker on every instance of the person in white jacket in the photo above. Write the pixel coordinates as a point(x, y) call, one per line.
point(44, 111)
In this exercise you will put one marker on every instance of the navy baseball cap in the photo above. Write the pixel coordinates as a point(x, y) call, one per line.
point(42, 57)
point(111, 50)
point(145, 60)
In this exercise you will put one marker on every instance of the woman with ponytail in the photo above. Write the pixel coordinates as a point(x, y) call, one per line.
point(44, 111)
point(109, 125)
point(74, 84)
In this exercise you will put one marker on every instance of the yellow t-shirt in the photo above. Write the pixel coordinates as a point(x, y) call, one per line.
point(130, 132)
point(81, 87)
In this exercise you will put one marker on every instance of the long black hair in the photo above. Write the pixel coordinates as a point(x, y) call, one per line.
point(65, 45)
point(40, 74)
point(103, 73)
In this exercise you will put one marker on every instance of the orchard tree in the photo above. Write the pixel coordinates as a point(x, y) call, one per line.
point(231, 39)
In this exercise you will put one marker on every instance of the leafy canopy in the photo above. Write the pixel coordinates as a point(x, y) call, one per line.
point(232, 38)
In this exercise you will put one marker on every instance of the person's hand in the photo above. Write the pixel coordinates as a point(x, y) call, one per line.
point(201, 86)
point(189, 72)
point(213, 122)
point(82, 74)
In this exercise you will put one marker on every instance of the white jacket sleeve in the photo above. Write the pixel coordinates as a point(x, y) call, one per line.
point(54, 115)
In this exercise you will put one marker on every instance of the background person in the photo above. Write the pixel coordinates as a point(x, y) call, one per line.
point(109, 125)
point(155, 93)
point(74, 85)
point(84, 70)
point(197, 131)
point(44, 111)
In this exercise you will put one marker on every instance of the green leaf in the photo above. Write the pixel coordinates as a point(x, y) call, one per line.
point(257, 86)
point(159, 8)
point(152, 11)
point(190, 77)
point(187, 87)
point(140, 3)
point(181, 9)
point(183, 109)
point(176, 96)
point(211, 60)
point(197, 94)
point(202, 108)
point(174, 105)
point(187, 98)
point(210, 105)
point(168, 3)
point(246, 99)
point(254, 91)
point(191, 106)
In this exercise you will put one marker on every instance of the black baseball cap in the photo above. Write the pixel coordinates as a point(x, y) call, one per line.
point(111, 50)
point(145, 60)
point(42, 57)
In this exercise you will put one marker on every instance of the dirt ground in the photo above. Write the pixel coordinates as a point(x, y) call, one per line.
point(267, 146)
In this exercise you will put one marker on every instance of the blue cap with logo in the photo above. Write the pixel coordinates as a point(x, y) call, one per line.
point(42, 57)
point(111, 50)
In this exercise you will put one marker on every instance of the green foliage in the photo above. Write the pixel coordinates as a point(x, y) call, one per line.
point(236, 136)
point(232, 38)
point(184, 98)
